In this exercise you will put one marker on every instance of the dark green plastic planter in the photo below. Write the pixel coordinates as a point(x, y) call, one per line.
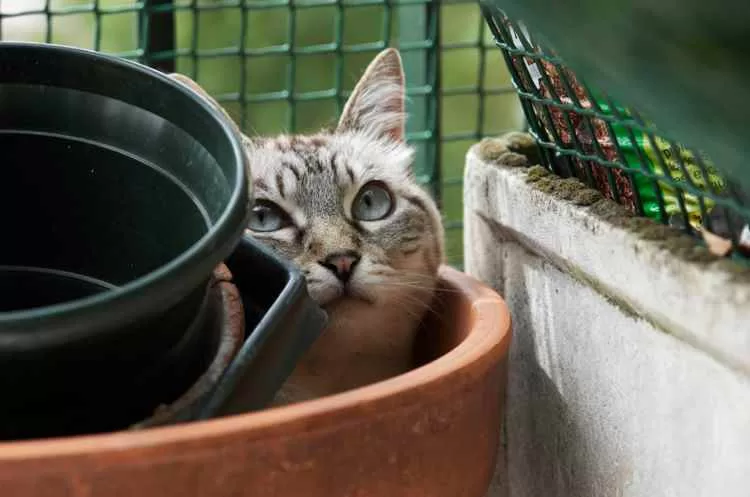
point(120, 191)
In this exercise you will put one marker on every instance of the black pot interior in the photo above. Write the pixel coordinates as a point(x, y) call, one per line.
point(88, 207)
point(28, 287)
point(102, 181)
point(81, 217)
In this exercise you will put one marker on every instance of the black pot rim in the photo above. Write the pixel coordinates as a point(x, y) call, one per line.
point(136, 298)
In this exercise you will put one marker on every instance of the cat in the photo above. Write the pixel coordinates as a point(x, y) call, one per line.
point(346, 208)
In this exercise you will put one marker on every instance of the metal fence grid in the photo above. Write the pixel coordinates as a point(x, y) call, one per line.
point(288, 65)
point(585, 133)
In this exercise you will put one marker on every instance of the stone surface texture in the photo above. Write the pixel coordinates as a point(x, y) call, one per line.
point(630, 363)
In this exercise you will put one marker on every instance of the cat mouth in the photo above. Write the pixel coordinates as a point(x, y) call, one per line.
point(348, 293)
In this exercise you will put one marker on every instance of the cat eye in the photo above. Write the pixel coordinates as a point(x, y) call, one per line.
point(373, 202)
point(267, 216)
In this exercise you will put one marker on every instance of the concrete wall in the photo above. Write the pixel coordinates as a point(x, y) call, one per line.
point(630, 363)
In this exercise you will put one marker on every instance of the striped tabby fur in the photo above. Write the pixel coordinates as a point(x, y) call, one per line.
point(313, 180)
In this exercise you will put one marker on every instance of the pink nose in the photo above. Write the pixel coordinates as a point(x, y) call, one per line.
point(341, 264)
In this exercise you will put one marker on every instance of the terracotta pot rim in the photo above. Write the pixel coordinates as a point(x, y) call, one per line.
point(485, 348)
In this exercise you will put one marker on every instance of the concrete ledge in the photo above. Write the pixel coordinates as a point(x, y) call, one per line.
point(630, 366)
point(663, 277)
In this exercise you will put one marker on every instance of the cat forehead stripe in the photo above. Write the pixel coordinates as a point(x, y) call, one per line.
point(280, 183)
point(334, 167)
point(260, 184)
point(291, 167)
point(416, 201)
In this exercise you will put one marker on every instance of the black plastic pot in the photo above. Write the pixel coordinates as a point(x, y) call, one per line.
point(282, 321)
point(120, 191)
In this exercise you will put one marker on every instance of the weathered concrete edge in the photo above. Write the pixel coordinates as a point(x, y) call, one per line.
point(703, 304)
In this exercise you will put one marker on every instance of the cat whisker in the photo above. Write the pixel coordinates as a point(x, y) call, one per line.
point(395, 284)
point(410, 312)
point(425, 308)
point(409, 297)
point(414, 307)
point(382, 272)
point(417, 286)
point(416, 278)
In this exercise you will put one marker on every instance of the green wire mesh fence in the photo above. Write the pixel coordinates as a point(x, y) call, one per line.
point(586, 134)
point(288, 65)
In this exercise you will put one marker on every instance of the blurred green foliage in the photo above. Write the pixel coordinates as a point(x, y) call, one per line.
point(287, 66)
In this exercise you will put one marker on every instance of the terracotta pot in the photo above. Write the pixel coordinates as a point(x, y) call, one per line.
point(432, 432)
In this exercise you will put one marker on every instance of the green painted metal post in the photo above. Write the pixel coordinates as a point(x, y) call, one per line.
point(418, 34)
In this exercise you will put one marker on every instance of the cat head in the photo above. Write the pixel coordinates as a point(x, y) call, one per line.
point(345, 206)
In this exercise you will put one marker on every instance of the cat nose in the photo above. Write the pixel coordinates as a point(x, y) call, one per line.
point(341, 264)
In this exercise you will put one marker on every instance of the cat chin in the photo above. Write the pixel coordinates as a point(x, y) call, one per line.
point(331, 292)
point(346, 297)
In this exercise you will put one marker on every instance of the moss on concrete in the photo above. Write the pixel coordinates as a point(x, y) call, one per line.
point(535, 173)
point(514, 149)
point(562, 188)
point(586, 197)
point(651, 230)
point(679, 244)
point(491, 149)
point(739, 272)
point(606, 209)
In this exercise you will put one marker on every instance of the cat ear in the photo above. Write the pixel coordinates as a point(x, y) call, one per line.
point(376, 106)
point(203, 93)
